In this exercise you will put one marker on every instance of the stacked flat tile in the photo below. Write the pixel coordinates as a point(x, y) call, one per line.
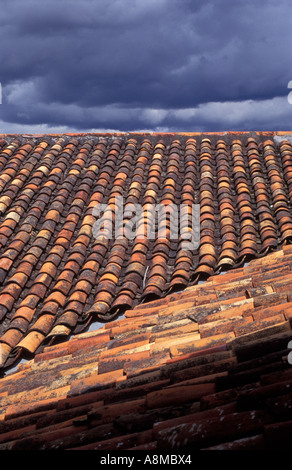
point(204, 369)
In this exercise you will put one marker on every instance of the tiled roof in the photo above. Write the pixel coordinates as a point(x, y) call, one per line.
point(203, 369)
point(56, 277)
point(193, 349)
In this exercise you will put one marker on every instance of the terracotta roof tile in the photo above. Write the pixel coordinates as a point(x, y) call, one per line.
point(196, 347)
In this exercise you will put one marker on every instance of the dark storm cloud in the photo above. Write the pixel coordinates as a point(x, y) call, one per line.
point(134, 64)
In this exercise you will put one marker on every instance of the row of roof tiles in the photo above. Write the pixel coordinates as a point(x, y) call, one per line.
point(206, 368)
point(56, 277)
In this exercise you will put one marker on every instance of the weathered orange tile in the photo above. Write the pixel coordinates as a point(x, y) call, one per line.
point(5, 263)
point(121, 326)
point(261, 314)
point(128, 349)
point(151, 366)
point(44, 323)
point(198, 344)
point(35, 406)
point(163, 344)
point(25, 312)
point(7, 301)
point(12, 336)
point(259, 325)
point(221, 326)
point(173, 329)
point(57, 297)
point(113, 363)
point(32, 341)
point(95, 382)
point(13, 289)
point(49, 268)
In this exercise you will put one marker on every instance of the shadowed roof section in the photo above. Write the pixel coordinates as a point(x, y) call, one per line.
point(56, 277)
point(206, 368)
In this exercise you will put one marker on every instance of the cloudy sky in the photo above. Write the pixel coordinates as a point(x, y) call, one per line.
point(160, 65)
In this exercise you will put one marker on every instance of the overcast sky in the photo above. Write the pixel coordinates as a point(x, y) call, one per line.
point(160, 65)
